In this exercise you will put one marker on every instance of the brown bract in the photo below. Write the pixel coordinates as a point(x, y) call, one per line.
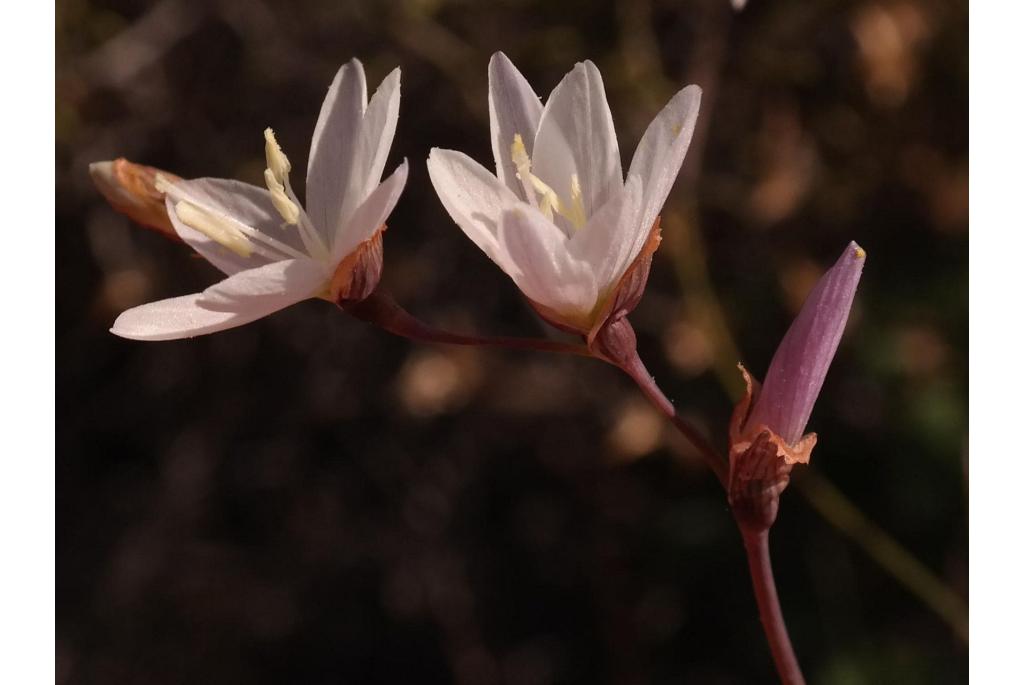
point(131, 189)
point(760, 462)
point(358, 273)
point(626, 294)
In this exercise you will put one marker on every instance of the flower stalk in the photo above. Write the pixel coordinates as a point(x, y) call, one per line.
point(381, 309)
point(760, 563)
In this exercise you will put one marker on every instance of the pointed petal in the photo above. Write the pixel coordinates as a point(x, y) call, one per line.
point(172, 319)
point(333, 150)
point(235, 201)
point(514, 108)
point(537, 258)
point(613, 237)
point(576, 136)
point(798, 368)
point(369, 216)
point(473, 197)
point(240, 299)
point(375, 136)
point(660, 154)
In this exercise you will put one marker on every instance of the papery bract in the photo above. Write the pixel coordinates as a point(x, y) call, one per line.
point(131, 189)
point(274, 251)
point(556, 215)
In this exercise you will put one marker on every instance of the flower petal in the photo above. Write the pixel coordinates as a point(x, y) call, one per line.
point(333, 150)
point(369, 216)
point(289, 281)
point(472, 195)
point(375, 137)
point(172, 319)
point(576, 136)
point(613, 237)
point(514, 108)
point(801, 361)
point(535, 255)
point(661, 151)
point(239, 299)
point(238, 202)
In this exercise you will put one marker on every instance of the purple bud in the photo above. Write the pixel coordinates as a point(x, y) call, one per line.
point(800, 363)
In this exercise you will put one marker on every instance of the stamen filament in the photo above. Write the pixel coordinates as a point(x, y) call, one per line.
point(284, 250)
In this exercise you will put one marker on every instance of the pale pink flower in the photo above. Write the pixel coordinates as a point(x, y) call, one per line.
point(557, 216)
point(274, 251)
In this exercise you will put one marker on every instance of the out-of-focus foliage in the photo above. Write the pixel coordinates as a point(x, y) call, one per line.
point(309, 500)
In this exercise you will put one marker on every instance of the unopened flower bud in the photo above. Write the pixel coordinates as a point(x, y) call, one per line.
point(766, 434)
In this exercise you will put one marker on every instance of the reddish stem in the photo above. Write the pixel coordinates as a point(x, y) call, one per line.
point(756, 543)
point(635, 369)
point(381, 310)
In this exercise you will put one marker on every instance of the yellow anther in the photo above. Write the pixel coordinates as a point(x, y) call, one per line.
point(277, 162)
point(549, 202)
point(859, 252)
point(288, 210)
point(520, 158)
point(214, 227)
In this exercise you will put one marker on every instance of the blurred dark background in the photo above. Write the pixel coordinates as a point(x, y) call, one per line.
point(309, 500)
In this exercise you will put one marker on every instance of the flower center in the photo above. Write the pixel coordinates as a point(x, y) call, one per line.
point(245, 240)
point(548, 201)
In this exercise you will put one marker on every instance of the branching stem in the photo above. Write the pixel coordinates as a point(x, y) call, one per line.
point(634, 367)
point(381, 310)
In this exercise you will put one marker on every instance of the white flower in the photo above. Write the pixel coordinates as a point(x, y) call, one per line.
point(274, 252)
point(557, 217)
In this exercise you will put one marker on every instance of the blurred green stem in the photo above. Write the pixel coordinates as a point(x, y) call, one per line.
point(844, 515)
